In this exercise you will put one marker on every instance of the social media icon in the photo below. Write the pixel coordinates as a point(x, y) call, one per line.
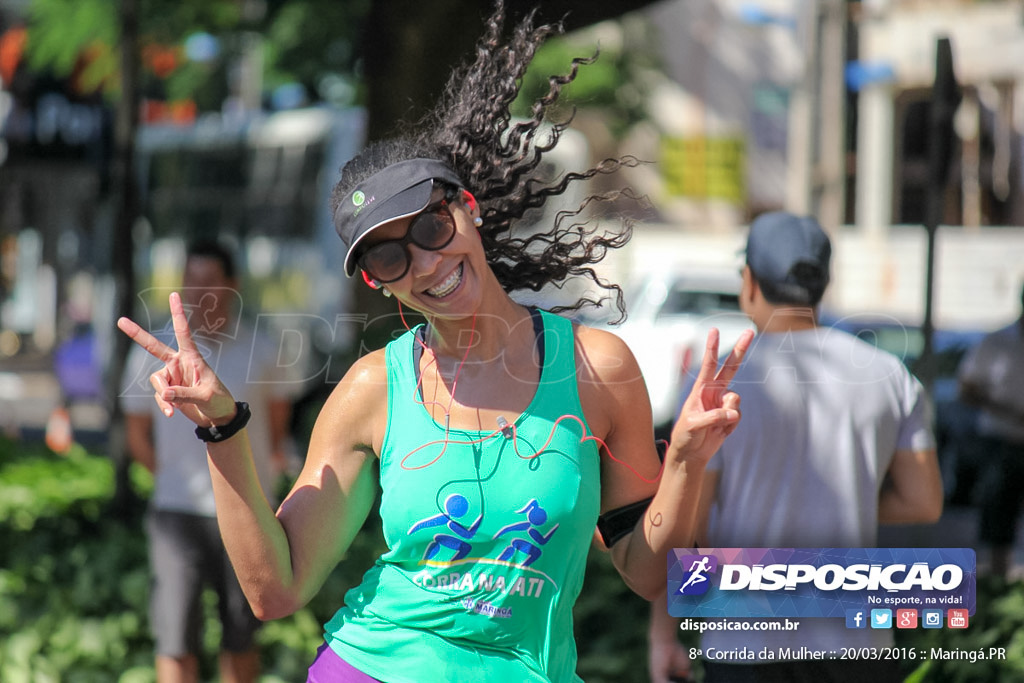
point(881, 618)
point(958, 618)
point(856, 618)
point(906, 618)
point(931, 618)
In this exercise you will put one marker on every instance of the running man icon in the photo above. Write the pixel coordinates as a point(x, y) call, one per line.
point(698, 569)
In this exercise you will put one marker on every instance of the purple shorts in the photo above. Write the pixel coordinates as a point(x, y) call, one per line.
point(328, 667)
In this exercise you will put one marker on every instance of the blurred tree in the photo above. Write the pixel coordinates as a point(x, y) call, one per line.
point(616, 84)
point(392, 55)
point(314, 43)
point(84, 36)
point(190, 48)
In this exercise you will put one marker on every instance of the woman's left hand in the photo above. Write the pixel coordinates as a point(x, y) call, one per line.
point(711, 412)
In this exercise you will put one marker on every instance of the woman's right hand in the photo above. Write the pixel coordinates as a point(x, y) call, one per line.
point(186, 383)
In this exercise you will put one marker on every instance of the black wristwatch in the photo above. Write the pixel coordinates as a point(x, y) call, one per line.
point(224, 432)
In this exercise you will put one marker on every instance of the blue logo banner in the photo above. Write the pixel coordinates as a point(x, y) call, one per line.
point(819, 582)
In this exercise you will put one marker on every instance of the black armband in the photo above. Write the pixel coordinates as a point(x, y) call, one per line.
point(615, 524)
point(661, 446)
point(213, 434)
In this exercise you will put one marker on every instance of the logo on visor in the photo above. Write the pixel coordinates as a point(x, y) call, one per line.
point(360, 201)
point(695, 580)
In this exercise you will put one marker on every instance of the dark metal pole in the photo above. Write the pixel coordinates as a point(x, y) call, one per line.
point(944, 102)
point(124, 187)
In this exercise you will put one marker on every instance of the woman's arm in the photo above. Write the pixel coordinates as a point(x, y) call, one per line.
point(618, 410)
point(666, 656)
point(281, 559)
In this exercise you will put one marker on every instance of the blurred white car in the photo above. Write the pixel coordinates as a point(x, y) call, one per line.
point(669, 315)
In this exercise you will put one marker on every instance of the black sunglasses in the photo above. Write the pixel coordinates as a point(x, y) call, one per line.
point(432, 229)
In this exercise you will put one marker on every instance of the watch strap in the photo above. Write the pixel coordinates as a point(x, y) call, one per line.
point(214, 433)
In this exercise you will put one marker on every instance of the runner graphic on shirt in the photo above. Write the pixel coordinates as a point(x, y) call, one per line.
point(536, 516)
point(455, 506)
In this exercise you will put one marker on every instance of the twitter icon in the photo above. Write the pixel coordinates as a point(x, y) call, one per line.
point(881, 618)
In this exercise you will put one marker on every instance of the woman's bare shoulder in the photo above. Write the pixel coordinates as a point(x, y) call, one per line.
point(356, 409)
point(604, 355)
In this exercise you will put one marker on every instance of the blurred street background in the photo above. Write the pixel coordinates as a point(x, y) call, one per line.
point(128, 128)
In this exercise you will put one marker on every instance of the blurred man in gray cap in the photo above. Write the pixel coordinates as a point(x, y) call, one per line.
point(835, 438)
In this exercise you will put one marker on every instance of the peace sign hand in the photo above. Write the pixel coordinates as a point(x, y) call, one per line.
point(186, 382)
point(711, 412)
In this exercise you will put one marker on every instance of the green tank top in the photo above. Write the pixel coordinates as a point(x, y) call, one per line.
point(487, 536)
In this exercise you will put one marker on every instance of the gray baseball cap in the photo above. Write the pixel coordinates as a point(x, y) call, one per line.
point(790, 257)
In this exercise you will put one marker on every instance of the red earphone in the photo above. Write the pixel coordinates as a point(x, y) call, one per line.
point(470, 202)
point(469, 199)
point(371, 283)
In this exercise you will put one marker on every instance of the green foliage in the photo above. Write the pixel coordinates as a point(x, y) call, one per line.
point(60, 30)
point(997, 623)
point(42, 487)
point(167, 21)
point(302, 40)
point(74, 580)
point(612, 83)
point(595, 83)
point(307, 40)
point(69, 34)
point(610, 625)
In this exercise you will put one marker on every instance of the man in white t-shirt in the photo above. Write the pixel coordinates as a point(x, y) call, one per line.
point(185, 549)
point(991, 376)
point(835, 438)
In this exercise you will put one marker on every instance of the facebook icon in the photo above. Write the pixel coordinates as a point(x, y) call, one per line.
point(855, 618)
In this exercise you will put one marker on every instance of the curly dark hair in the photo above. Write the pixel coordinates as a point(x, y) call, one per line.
point(472, 130)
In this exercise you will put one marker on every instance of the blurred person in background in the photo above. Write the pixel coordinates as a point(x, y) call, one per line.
point(835, 439)
point(991, 377)
point(185, 548)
